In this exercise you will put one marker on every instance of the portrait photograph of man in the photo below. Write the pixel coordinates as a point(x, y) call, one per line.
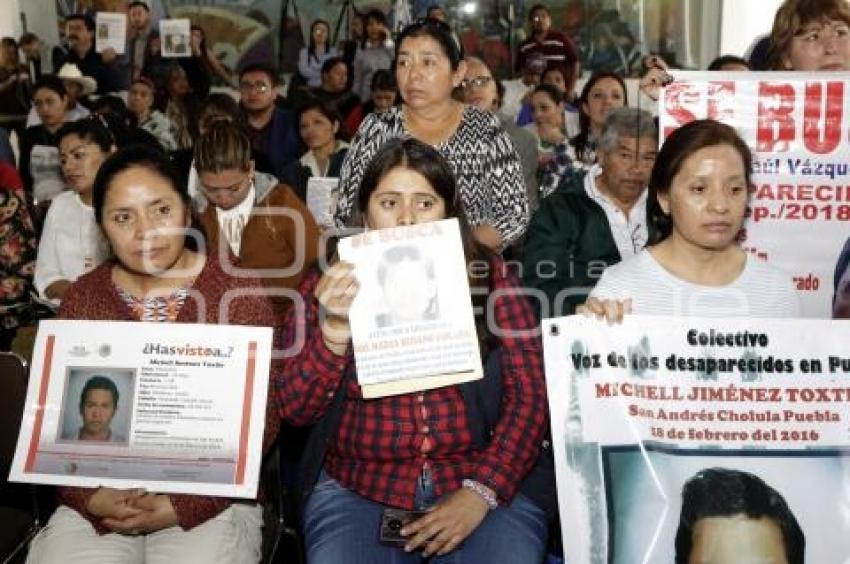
point(98, 405)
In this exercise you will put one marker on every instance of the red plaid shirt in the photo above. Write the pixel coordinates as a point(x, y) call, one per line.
point(382, 445)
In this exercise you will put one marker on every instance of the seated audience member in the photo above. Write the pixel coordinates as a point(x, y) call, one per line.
point(810, 35)
point(219, 107)
point(18, 248)
point(469, 474)
point(321, 132)
point(548, 125)
point(251, 215)
point(203, 66)
point(181, 107)
point(518, 90)
point(597, 220)
point(693, 266)
point(729, 63)
point(489, 174)
point(384, 97)
point(841, 284)
point(14, 86)
point(140, 101)
point(71, 242)
point(110, 104)
point(376, 53)
point(39, 153)
point(560, 76)
point(483, 90)
point(156, 276)
point(78, 87)
point(35, 54)
point(272, 129)
point(603, 93)
point(334, 88)
point(106, 68)
point(733, 516)
point(318, 50)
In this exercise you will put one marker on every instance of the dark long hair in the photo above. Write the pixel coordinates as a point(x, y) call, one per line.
point(581, 140)
point(681, 144)
point(420, 157)
point(311, 45)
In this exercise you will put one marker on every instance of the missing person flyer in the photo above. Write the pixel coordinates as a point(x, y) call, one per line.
point(111, 32)
point(700, 440)
point(412, 324)
point(176, 37)
point(169, 407)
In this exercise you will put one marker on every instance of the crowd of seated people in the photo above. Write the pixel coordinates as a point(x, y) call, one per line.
point(407, 128)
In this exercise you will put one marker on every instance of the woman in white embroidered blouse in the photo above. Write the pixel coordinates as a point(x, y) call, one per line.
point(71, 242)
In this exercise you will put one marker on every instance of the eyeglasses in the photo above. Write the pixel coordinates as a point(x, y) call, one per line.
point(260, 87)
point(476, 82)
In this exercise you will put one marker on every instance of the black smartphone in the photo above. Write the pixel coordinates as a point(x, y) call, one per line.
point(392, 521)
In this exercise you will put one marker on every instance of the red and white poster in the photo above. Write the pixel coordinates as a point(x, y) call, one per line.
point(168, 407)
point(798, 127)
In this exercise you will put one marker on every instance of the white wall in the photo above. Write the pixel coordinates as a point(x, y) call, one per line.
point(10, 23)
point(40, 15)
point(744, 20)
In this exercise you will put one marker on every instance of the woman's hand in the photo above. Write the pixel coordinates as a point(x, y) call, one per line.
point(114, 504)
point(551, 134)
point(610, 310)
point(155, 513)
point(336, 292)
point(57, 290)
point(447, 524)
point(655, 77)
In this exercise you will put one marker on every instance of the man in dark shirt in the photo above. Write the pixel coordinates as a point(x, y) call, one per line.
point(139, 20)
point(106, 68)
point(272, 129)
point(553, 45)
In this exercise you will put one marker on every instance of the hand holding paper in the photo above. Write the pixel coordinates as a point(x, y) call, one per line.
point(336, 292)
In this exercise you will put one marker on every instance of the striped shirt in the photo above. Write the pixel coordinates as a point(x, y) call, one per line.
point(759, 291)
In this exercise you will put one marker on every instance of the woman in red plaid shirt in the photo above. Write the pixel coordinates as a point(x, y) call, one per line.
point(431, 451)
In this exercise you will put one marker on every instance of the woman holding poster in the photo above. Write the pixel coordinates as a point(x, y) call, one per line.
point(694, 266)
point(377, 464)
point(157, 275)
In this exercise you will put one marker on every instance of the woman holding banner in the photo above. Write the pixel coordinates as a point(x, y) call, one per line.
point(438, 450)
point(157, 275)
point(693, 266)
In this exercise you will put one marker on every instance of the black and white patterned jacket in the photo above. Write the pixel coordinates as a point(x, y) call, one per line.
point(481, 155)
